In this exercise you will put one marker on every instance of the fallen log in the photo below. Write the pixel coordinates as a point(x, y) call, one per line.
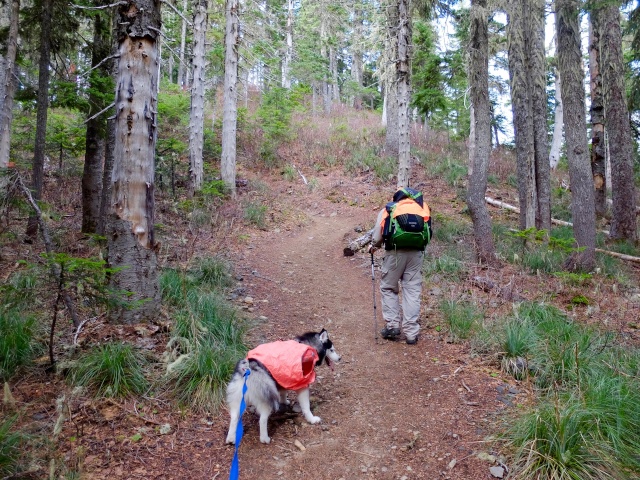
point(498, 203)
point(357, 244)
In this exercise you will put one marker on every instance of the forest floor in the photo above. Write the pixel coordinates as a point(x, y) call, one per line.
point(389, 410)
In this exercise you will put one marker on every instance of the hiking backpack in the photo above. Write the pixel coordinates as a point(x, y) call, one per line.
point(407, 224)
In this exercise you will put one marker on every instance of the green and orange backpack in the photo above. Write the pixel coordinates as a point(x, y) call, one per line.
point(407, 222)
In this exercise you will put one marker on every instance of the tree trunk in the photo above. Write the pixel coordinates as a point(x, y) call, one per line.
point(598, 151)
point(403, 71)
point(356, 57)
point(621, 146)
point(288, 53)
point(479, 85)
point(573, 98)
point(130, 229)
point(230, 106)
point(7, 89)
point(538, 85)
point(182, 69)
point(335, 85)
point(37, 178)
point(392, 135)
point(522, 111)
point(324, 54)
point(558, 122)
point(196, 117)
point(92, 177)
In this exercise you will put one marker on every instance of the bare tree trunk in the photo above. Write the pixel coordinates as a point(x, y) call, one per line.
point(598, 151)
point(130, 229)
point(230, 107)
point(392, 136)
point(335, 84)
point(324, 53)
point(621, 146)
point(558, 124)
point(288, 54)
point(196, 117)
point(538, 82)
point(182, 75)
point(356, 56)
point(92, 177)
point(573, 99)
point(403, 72)
point(37, 177)
point(479, 84)
point(7, 89)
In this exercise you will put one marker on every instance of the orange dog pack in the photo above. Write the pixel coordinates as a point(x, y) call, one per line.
point(290, 363)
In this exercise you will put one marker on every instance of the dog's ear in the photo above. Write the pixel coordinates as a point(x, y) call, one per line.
point(324, 335)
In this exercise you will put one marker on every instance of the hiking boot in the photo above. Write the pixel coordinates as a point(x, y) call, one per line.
point(412, 341)
point(390, 333)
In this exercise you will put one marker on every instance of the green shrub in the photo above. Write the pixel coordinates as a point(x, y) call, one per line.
point(585, 424)
point(111, 370)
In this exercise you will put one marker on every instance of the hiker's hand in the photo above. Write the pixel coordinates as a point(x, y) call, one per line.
point(372, 249)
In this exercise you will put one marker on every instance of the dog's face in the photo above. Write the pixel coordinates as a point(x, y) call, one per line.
point(324, 346)
point(331, 355)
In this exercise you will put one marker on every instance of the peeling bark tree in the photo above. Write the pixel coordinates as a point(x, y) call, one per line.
point(479, 83)
point(573, 99)
point(196, 117)
point(130, 230)
point(598, 150)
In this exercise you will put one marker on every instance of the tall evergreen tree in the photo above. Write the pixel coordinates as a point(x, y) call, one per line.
point(573, 98)
point(196, 117)
point(37, 172)
point(481, 118)
point(230, 107)
point(11, 11)
point(623, 191)
point(100, 96)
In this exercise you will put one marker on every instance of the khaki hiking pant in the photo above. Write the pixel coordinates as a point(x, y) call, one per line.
point(402, 267)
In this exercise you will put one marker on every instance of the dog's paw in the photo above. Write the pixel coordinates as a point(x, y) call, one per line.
point(230, 440)
point(313, 419)
point(265, 439)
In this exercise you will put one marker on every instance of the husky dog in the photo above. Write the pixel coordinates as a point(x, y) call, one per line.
point(265, 394)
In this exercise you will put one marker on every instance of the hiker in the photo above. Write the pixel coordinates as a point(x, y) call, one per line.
point(404, 227)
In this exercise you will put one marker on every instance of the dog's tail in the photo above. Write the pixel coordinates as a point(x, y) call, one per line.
point(262, 389)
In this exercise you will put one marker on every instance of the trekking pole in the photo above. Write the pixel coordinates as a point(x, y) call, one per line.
point(375, 305)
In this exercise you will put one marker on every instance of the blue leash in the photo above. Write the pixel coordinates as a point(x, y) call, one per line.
point(234, 473)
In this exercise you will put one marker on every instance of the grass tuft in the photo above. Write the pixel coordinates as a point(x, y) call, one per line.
point(17, 343)
point(461, 317)
point(10, 447)
point(111, 370)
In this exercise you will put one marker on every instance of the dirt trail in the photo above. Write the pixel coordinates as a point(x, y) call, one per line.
point(389, 410)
